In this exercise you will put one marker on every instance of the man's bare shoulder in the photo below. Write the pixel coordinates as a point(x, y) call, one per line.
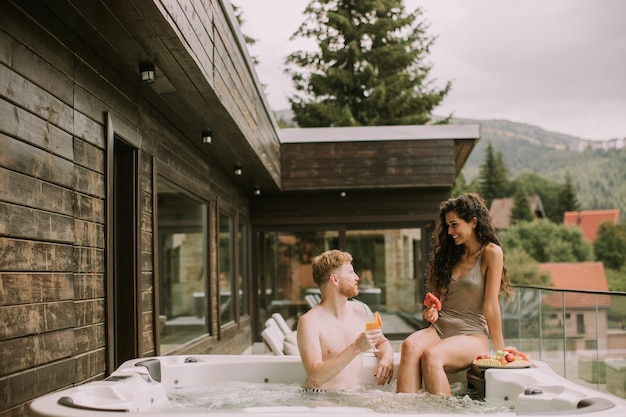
point(312, 315)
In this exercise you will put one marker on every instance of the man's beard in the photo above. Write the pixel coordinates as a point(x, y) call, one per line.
point(349, 291)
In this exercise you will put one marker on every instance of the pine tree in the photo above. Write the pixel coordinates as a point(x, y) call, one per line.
point(502, 176)
point(521, 210)
point(568, 199)
point(461, 187)
point(249, 40)
point(370, 69)
point(493, 176)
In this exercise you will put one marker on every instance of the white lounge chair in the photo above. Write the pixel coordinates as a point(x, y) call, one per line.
point(312, 299)
point(279, 337)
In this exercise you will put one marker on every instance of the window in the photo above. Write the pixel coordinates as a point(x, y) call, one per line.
point(227, 284)
point(284, 271)
point(388, 266)
point(580, 323)
point(182, 269)
point(386, 260)
point(242, 272)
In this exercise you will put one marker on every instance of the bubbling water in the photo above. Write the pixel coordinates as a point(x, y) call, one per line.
point(234, 396)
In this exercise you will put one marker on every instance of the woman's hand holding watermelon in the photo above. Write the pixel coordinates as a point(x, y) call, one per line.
point(433, 306)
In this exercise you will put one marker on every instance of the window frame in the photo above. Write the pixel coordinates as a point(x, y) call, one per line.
point(201, 193)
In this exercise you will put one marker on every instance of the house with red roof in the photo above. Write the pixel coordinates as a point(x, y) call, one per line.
point(590, 220)
point(576, 311)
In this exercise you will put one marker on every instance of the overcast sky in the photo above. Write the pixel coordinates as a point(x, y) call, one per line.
point(557, 64)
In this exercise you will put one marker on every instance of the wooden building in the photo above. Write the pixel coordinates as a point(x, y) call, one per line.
point(141, 170)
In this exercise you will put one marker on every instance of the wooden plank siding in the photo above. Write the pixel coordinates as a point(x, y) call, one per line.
point(64, 65)
point(357, 207)
point(368, 164)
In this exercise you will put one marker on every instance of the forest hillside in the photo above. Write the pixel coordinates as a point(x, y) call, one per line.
point(598, 175)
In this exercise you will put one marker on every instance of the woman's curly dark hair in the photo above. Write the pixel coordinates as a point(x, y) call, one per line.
point(446, 253)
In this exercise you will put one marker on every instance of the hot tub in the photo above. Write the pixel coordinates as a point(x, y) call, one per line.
point(145, 385)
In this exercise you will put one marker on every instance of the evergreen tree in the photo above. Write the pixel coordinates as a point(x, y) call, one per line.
point(610, 245)
point(370, 69)
point(493, 176)
point(521, 210)
point(502, 175)
point(461, 187)
point(568, 199)
point(546, 189)
point(249, 40)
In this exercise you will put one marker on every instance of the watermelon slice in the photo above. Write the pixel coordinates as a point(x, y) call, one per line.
point(432, 301)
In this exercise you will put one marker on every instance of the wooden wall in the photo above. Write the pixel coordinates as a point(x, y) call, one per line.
point(401, 207)
point(52, 332)
point(55, 93)
point(368, 164)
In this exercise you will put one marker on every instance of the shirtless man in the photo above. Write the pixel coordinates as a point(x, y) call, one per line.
point(332, 336)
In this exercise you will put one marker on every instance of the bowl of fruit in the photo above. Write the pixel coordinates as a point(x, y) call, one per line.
point(507, 358)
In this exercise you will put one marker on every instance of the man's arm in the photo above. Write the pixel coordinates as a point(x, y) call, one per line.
point(319, 371)
point(384, 371)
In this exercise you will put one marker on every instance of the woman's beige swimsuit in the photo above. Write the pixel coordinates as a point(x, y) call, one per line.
point(462, 311)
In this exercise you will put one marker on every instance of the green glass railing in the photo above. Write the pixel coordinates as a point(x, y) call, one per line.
point(580, 334)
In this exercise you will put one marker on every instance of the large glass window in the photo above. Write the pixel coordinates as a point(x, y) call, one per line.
point(227, 285)
point(242, 273)
point(388, 262)
point(182, 269)
point(285, 275)
point(389, 267)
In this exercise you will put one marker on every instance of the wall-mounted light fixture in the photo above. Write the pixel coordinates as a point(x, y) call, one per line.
point(207, 136)
point(238, 169)
point(257, 190)
point(342, 194)
point(146, 70)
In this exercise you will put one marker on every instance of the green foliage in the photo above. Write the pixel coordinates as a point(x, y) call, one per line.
point(521, 211)
point(616, 279)
point(460, 187)
point(546, 241)
point(546, 189)
point(493, 178)
point(598, 176)
point(568, 196)
point(610, 245)
point(524, 270)
point(370, 69)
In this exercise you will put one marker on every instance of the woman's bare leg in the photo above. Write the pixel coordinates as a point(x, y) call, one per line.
point(409, 377)
point(450, 355)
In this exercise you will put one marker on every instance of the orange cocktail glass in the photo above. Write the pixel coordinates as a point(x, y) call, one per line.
point(373, 322)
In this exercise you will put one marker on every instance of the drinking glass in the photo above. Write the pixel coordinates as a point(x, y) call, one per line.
point(373, 322)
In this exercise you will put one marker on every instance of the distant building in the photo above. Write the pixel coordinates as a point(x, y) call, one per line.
point(576, 313)
point(500, 210)
point(590, 220)
point(583, 144)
